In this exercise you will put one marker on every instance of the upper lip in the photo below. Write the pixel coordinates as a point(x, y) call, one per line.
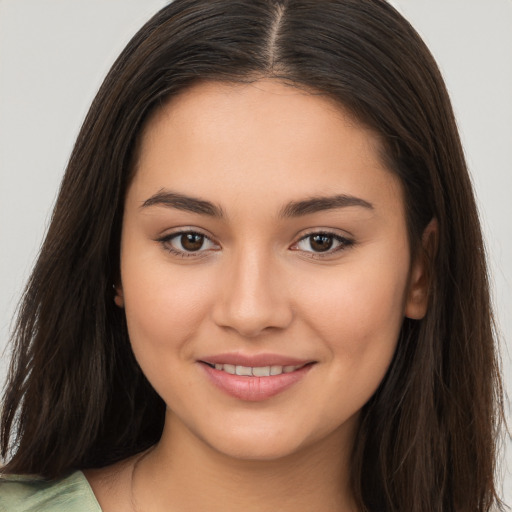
point(254, 360)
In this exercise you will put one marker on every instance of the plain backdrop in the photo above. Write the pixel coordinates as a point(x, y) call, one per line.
point(55, 53)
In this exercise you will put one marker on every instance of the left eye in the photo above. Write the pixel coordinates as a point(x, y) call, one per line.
point(322, 243)
point(188, 242)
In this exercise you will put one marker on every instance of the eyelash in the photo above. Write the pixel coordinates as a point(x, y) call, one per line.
point(344, 243)
point(166, 242)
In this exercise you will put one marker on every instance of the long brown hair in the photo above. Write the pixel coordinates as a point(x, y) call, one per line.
point(76, 397)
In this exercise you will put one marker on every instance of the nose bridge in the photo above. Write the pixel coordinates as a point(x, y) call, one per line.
point(252, 298)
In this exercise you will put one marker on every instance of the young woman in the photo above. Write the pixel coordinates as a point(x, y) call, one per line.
point(264, 285)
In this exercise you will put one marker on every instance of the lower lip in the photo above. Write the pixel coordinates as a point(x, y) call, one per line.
point(254, 389)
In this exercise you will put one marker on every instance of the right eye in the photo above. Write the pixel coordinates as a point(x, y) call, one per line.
point(187, 243)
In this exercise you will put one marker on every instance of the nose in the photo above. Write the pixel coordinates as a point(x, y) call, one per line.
point(252, 296)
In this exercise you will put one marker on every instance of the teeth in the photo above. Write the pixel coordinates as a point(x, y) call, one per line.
point(276, 370)
point(229, 368)
point(261, 371)
point(243, 370)
point(256, 371)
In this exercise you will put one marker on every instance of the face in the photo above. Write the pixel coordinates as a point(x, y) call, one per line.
point(265, 266)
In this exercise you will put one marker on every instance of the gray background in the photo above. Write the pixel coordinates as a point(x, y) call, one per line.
point(54, 54)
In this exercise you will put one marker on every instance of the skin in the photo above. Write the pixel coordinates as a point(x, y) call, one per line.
point(258, 286)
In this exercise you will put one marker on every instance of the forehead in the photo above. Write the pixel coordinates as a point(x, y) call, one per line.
point(263, 103)
point(259, 136)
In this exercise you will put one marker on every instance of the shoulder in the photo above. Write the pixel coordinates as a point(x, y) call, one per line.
point(31, 494)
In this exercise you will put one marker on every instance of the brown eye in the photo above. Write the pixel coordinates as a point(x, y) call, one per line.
point(192, 241)
point(186, 243)
point(321, 243)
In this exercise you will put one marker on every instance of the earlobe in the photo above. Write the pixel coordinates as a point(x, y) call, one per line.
point(119, 297)
point(421, 272)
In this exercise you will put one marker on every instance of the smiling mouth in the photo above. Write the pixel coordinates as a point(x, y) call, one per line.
point(255, 383)
point(255, 371)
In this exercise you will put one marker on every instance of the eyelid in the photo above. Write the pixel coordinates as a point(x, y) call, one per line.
point(346, 241)
point(165, 241)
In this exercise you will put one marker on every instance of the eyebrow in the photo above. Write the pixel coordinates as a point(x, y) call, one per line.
point(318, 204)
point(183, 202)
point(292, 209)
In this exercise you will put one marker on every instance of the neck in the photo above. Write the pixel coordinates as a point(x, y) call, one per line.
point(184, 473)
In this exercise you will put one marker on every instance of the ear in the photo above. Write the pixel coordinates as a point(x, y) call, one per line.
point(119, 296)
point(420, 276)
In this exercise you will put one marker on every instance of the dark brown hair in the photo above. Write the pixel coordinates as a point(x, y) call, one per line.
point(76, 397)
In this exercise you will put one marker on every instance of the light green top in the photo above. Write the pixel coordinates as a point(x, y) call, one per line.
point(29, 494)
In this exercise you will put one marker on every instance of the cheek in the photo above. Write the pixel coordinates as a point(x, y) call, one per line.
point(164, 310)
point(163, 306)
point(357, 315)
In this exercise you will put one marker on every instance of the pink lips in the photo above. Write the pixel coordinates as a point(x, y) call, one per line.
point(251, 388)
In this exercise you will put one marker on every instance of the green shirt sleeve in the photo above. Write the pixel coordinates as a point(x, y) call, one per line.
point(29, 494)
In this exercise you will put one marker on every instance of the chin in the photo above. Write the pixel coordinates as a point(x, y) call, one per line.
point(273, 441)
point(264, 448)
